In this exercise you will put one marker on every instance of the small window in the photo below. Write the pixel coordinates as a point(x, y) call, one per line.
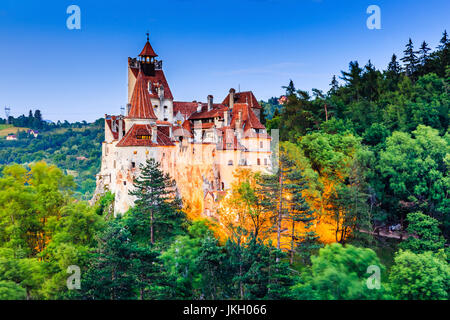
point(165, 107)
point(258, 161)
point(265, 161)
point(261, 144)
point(143, 137)
point(223, 186)
point(114, 164)
point(230, 163)
point(133, 165)
point(155, 106)
point(165, 119)
point(124, 183)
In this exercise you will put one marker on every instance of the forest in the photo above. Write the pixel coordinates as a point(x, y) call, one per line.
point(369, 159)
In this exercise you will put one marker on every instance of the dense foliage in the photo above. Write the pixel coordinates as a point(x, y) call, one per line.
point(75, 148)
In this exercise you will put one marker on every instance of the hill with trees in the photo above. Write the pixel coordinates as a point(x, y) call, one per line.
point(371, 153)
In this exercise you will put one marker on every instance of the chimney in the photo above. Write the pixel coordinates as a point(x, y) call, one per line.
point(231, 104)
point(226, 118)
point(210, 102)
point(154, 134)
point(199, 107)
point(120, 129)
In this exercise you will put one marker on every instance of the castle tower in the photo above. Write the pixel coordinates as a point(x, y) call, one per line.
point(141, 110)
point(147, 59)
point(154, 80)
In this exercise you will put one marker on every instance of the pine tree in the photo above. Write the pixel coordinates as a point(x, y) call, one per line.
point(393, 73)
point(334, 85)
point(156, 202)
point(281, 197)
point(123, 269)
point(423, 51)
point(298, 211)
point(410, 59)
point(445, 41)
point(394, 66)
point(353, 79)
point(290, 89)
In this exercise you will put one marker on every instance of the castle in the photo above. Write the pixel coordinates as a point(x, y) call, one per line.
point(199, 144)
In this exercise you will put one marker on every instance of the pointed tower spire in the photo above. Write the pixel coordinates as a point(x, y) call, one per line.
point(141, 105)
point(148, 51)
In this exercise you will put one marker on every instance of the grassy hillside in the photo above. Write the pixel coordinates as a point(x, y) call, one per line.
point(6, 129)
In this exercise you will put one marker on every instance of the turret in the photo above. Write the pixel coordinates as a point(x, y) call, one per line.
point(147, 59)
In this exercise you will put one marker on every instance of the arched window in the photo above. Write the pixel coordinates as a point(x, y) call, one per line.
point(258, 162)
point(265, 161)
point(261, 144)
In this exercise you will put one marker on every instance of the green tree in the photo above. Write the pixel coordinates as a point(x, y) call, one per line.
point(10, 290)
point(157, 207)
point(415, 173)
point(340, 273)
point(423, 276)
point(256, 271)
point(428, 234)
point(410, 59)
point(122, 268)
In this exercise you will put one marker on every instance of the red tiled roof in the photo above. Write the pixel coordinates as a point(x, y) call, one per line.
point(131, 140)
point(216, 111)
point(158, 79)
point(186, 108)
point(243, 97)
point(141, 105)
point(249, 119)
point(148, 51)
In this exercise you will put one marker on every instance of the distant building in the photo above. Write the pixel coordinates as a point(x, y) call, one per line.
point(282, 100)
point(32, 132)
point(11, 137)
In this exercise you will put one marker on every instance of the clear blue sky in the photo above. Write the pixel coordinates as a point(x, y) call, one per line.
point(207, 47)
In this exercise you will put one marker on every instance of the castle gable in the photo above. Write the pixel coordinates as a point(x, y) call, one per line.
point(244, 118)
point(243, 97)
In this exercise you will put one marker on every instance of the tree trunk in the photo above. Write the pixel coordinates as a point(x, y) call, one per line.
point(152, 240)
point(280, 209)
point(292, 242)
point(241, 287)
